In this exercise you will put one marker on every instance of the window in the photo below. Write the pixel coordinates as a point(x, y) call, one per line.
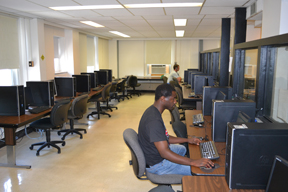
point(8, 77)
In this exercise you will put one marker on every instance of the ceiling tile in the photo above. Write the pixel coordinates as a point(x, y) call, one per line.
point(147, 11)
point(182, 11)
point(217, 10)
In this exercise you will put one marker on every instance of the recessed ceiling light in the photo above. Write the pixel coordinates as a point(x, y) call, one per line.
point(179, 33)
point(91, 23)
point(163, 5)
point(118, 33)
point(180, 22)
point(87, 7)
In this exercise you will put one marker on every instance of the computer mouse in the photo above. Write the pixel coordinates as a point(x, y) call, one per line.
point(208, 170)
point(200, 125)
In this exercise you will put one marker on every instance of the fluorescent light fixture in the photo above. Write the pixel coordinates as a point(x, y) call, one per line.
point(87, 7)
point(180, 33)
point(180, 22)
point(163, 5)
point(91, 23)
point(118, 33)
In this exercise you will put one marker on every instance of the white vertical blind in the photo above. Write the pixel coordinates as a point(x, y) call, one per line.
point(158, 52)
point(103, 53)
point(91, 51)
point(9, 43)
point(83, 52)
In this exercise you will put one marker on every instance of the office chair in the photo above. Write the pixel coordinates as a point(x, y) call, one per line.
point(180, 130)
point(58, 116)
point(177, 83)
point(112, 92)
point(78, 108)
point(133, 82)
point(139, 164)
point(103, 97)
point(175, 115)
point(165, 79)
point(182, 104)
point(121, 89)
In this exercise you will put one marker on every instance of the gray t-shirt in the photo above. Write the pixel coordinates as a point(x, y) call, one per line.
point(152, 129)
point(173, 74)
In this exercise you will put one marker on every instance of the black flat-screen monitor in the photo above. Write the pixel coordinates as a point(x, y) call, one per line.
point(278, 176)
point(186, 76)
point(225, 111)
point(40, 93)
point(109, 74)
point(193, 78)
point(102, 77)
point(190, 77)
point(210, 93)
point(221, 96)
point(200, 81)
point(196, 70)
point(93, 78)
point(82, 83)
point(244, 118)
point(65, 86)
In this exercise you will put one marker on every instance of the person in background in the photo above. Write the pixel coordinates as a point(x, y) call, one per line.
point(175, 74)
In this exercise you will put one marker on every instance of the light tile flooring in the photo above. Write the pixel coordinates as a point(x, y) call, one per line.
point(99, 162)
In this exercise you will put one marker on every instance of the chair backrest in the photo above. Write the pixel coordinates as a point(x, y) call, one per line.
point(133, 81)
point(113, 87)
point(106, 90)
point(179, 95)
point(180, 130)
point(79, 105)
point(121, 85)
point(175, 115)
point(59, 113)
point(138, 160)
point(165, 79)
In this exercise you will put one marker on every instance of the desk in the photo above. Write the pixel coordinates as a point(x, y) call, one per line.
point(11, 123)
point(208, 184)
point(194, 150)
point(186, 91)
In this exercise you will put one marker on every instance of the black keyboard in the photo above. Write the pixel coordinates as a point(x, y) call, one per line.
point(208, 150)
point(38, 109)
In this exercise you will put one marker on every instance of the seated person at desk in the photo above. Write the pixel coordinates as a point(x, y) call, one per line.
point(175, 74)
point(162, 156)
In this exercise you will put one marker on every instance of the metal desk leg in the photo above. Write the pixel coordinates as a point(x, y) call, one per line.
point(11, 159)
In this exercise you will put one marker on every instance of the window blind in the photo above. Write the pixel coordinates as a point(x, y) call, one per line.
point(158, 52)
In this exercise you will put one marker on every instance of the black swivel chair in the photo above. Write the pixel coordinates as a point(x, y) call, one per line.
point(180, 130)
point(165, 79)
point(139, 164)
point(182, 104)
point(133, 82)
point(58, 116)
point(175, 115)
point(103, 97)
point(78, 108)
point(121, 90)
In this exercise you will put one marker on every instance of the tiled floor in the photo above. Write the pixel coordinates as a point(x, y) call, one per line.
point(99, 162)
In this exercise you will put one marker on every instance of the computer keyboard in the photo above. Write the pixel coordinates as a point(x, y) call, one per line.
point(192, 94)
point(208, 150)
point(38, 109)
point(198, 118)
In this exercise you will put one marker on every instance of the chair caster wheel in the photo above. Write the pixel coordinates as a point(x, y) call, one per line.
point(37, 154)
point(63, 144)
point(31, 148)
point(59, 133)
point(62, 138)
point(81, 137)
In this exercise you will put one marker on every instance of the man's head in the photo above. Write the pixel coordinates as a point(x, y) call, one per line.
point(176, 67)
point(166, 94)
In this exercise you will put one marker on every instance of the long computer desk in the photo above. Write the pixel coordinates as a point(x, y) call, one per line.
point(210, 183)
point(194, 150)
point(197, 100)
point(11, 123)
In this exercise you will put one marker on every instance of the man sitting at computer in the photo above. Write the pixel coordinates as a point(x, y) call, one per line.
point(174, 74)
point(161, 154)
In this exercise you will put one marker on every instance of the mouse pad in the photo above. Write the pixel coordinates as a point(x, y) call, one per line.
point(209, 170)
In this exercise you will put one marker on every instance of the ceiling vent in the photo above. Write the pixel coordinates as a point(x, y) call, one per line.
point(253, 8)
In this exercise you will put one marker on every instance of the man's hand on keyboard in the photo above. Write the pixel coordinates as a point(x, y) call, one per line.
point(194, 140)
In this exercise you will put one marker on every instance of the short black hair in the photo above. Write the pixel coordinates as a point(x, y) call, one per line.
point(175, 66)
point(163, 90)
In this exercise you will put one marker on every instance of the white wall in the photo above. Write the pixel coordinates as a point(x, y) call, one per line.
point(103, 53)
point(253, 33)
point(211, 44)
point(83, 51)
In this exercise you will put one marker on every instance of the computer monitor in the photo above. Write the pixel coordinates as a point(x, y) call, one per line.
point(190, 76)
point(278, 176)
point(193, 78)
point(93, 78)
point(109, 74)
point(221, 96)
point(12, 100)
point(244, 118)
point(225, 111)
point(65, 86)
point(186, 76)
point(195, 70)
point(200, 81)
point(102, 77)
point(83, 83)
point(210, 93)
point(40, 93)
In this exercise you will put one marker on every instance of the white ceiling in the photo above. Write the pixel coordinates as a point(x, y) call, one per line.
point(203, 22)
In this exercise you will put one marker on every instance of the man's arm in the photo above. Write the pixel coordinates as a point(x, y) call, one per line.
point(179, 79)
point(166, 153)
point(176, 140)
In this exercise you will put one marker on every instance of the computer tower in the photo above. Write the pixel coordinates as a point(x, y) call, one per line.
point(42, 92)
point(224, 111)
point(12, 100)
point(210, 93)
point(93, 78)
point(83, 83)
point(102, 77)
point(66, 86)
point(250, 152)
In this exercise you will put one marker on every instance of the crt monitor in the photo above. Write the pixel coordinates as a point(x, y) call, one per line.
point(243, 118)
point(93, 78)
point(109, 74)
point(102, 77)
point(82, 83)
point(278, 175)
point(200, 81)
point(227, 111)
point(210, 93)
